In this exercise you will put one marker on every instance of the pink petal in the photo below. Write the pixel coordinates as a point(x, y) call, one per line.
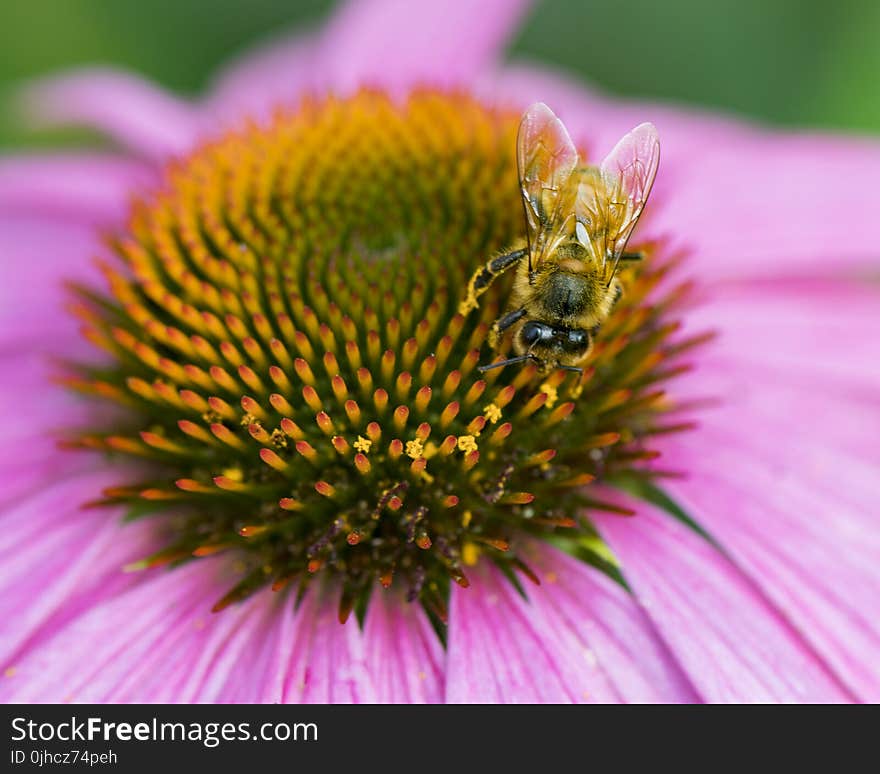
point(393, 44)
point(579, 637)
point(747, 202)
point(159, 642)
point(199, 657)
point(39, 406)
point(812, 334)
point(37, 254)
point(275, 73)
point(815, 555)
point(310, 657)
point(783, 472)
point(39, 414)
point(111, 651)
point(733, 644)
point(303, 655)
point(93, 189)
point(132, 111)
point(404, 654)
point(58, 559)
point(327, 662)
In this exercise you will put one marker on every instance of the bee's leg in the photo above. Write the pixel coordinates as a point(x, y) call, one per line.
point(631, 257)
point(502, 324)
point(482, 278)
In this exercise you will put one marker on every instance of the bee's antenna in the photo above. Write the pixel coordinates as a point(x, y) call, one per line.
point(502, 363)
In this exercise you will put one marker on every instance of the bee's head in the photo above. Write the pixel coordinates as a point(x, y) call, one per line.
point(553, 344)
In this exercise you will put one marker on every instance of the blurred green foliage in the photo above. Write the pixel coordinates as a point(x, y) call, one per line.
point(791, 62)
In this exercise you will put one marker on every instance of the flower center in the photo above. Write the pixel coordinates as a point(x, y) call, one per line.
point(285, 338)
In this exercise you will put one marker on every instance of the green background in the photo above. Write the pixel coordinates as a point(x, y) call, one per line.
point(789, 62)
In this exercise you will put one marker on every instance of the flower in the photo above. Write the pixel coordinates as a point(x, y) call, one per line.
point(748, 569)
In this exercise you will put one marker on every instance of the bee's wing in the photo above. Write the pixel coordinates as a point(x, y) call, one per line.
point(627, 174)
point(546, 157)
point(591, 211)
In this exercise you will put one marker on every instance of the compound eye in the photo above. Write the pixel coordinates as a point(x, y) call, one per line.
point(533, 332)
point(579, 338)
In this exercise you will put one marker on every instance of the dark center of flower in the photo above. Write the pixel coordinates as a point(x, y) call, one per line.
point(285, 340)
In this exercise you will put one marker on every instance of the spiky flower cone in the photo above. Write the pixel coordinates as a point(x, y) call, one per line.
point(284, 337)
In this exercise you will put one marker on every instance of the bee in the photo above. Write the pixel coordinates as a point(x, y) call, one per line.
point(578, 221)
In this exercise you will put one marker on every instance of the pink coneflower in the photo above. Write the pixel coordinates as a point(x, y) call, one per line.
point(285, 398)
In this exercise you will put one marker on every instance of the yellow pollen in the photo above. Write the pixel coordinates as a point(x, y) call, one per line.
point(468, 303)
point(467, 443)
point(233, 473)
point(9, 671)
point(363, 444)
point(552, 395)
point(414, 449)
point(466, 519)
point(470, 554)
point(493, 413)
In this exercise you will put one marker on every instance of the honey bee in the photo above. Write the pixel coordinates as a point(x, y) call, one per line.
point(578, 221)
